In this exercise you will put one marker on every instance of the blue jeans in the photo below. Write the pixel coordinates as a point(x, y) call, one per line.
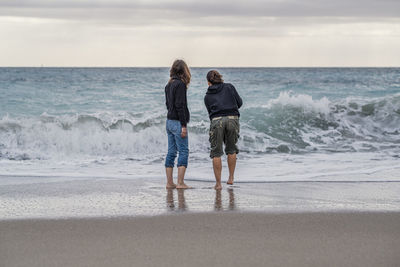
point(176, 144)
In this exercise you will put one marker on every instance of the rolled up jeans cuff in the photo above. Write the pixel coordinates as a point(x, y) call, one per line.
point(182, 165)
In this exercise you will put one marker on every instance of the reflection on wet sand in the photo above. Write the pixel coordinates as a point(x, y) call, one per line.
point(218, 200)
point(182, 206)
point(232, 203)
point(170, 200)
point(181, 200)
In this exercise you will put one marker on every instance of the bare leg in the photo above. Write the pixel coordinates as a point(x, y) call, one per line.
point(231, 166)
point(217, 165)
point(181, 176)
point(170, 180)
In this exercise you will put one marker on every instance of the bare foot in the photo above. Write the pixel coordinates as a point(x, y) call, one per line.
point(230, 182)
point(218, 187)
point(170, 186)
point(182, 186)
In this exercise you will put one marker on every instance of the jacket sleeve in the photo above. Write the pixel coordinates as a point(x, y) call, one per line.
point(207, 105)
point(180, 102)
point(238, 99)
point(166, 97)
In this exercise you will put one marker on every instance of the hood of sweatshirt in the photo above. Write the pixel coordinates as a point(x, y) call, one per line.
point(215, 88)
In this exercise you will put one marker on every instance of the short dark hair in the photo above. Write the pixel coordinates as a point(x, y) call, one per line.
point(214, 77)
point(180, 69)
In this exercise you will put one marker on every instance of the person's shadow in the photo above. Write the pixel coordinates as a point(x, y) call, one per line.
point(181, 200)
point(218, 200)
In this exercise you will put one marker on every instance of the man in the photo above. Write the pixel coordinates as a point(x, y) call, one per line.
point(223, 103)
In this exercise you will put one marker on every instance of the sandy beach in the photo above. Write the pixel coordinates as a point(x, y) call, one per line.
point(205, 239)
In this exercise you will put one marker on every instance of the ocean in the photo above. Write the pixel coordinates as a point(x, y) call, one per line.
point(297, 124)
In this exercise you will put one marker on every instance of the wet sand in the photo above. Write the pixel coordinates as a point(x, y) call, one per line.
point(206, 239)
point(47, 197)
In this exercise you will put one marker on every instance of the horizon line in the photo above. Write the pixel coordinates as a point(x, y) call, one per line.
point(54, 66)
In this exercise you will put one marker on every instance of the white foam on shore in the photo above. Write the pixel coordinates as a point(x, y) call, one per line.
point(345, 167)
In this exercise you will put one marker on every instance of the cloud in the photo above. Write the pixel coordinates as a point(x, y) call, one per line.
point(124, 10)
point(229, 33)
point(250, 17)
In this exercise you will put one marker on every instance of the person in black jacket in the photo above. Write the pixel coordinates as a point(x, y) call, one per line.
point(177, 118)
point(222, 102)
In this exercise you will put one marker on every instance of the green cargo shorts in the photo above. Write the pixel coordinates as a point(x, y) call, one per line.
point(224, 130)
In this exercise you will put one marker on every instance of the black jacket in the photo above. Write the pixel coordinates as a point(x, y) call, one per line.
point(222, 99)
point(176, 101)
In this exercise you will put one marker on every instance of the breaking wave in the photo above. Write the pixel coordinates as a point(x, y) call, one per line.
point(288, 124)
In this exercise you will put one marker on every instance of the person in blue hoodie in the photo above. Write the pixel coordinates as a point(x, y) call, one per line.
point(222, 102)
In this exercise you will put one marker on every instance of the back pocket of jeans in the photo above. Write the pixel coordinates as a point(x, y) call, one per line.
point(174, 126)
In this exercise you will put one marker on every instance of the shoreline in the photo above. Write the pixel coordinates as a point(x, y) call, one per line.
point(201, 239)
point(98, 197)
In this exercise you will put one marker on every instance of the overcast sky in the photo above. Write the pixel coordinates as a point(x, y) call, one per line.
point(205, 33)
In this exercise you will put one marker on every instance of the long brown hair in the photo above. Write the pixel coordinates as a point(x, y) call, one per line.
point(180, 69)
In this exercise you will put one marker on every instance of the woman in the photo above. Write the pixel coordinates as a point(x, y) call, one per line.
point(177, 118)
point(222, 102)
